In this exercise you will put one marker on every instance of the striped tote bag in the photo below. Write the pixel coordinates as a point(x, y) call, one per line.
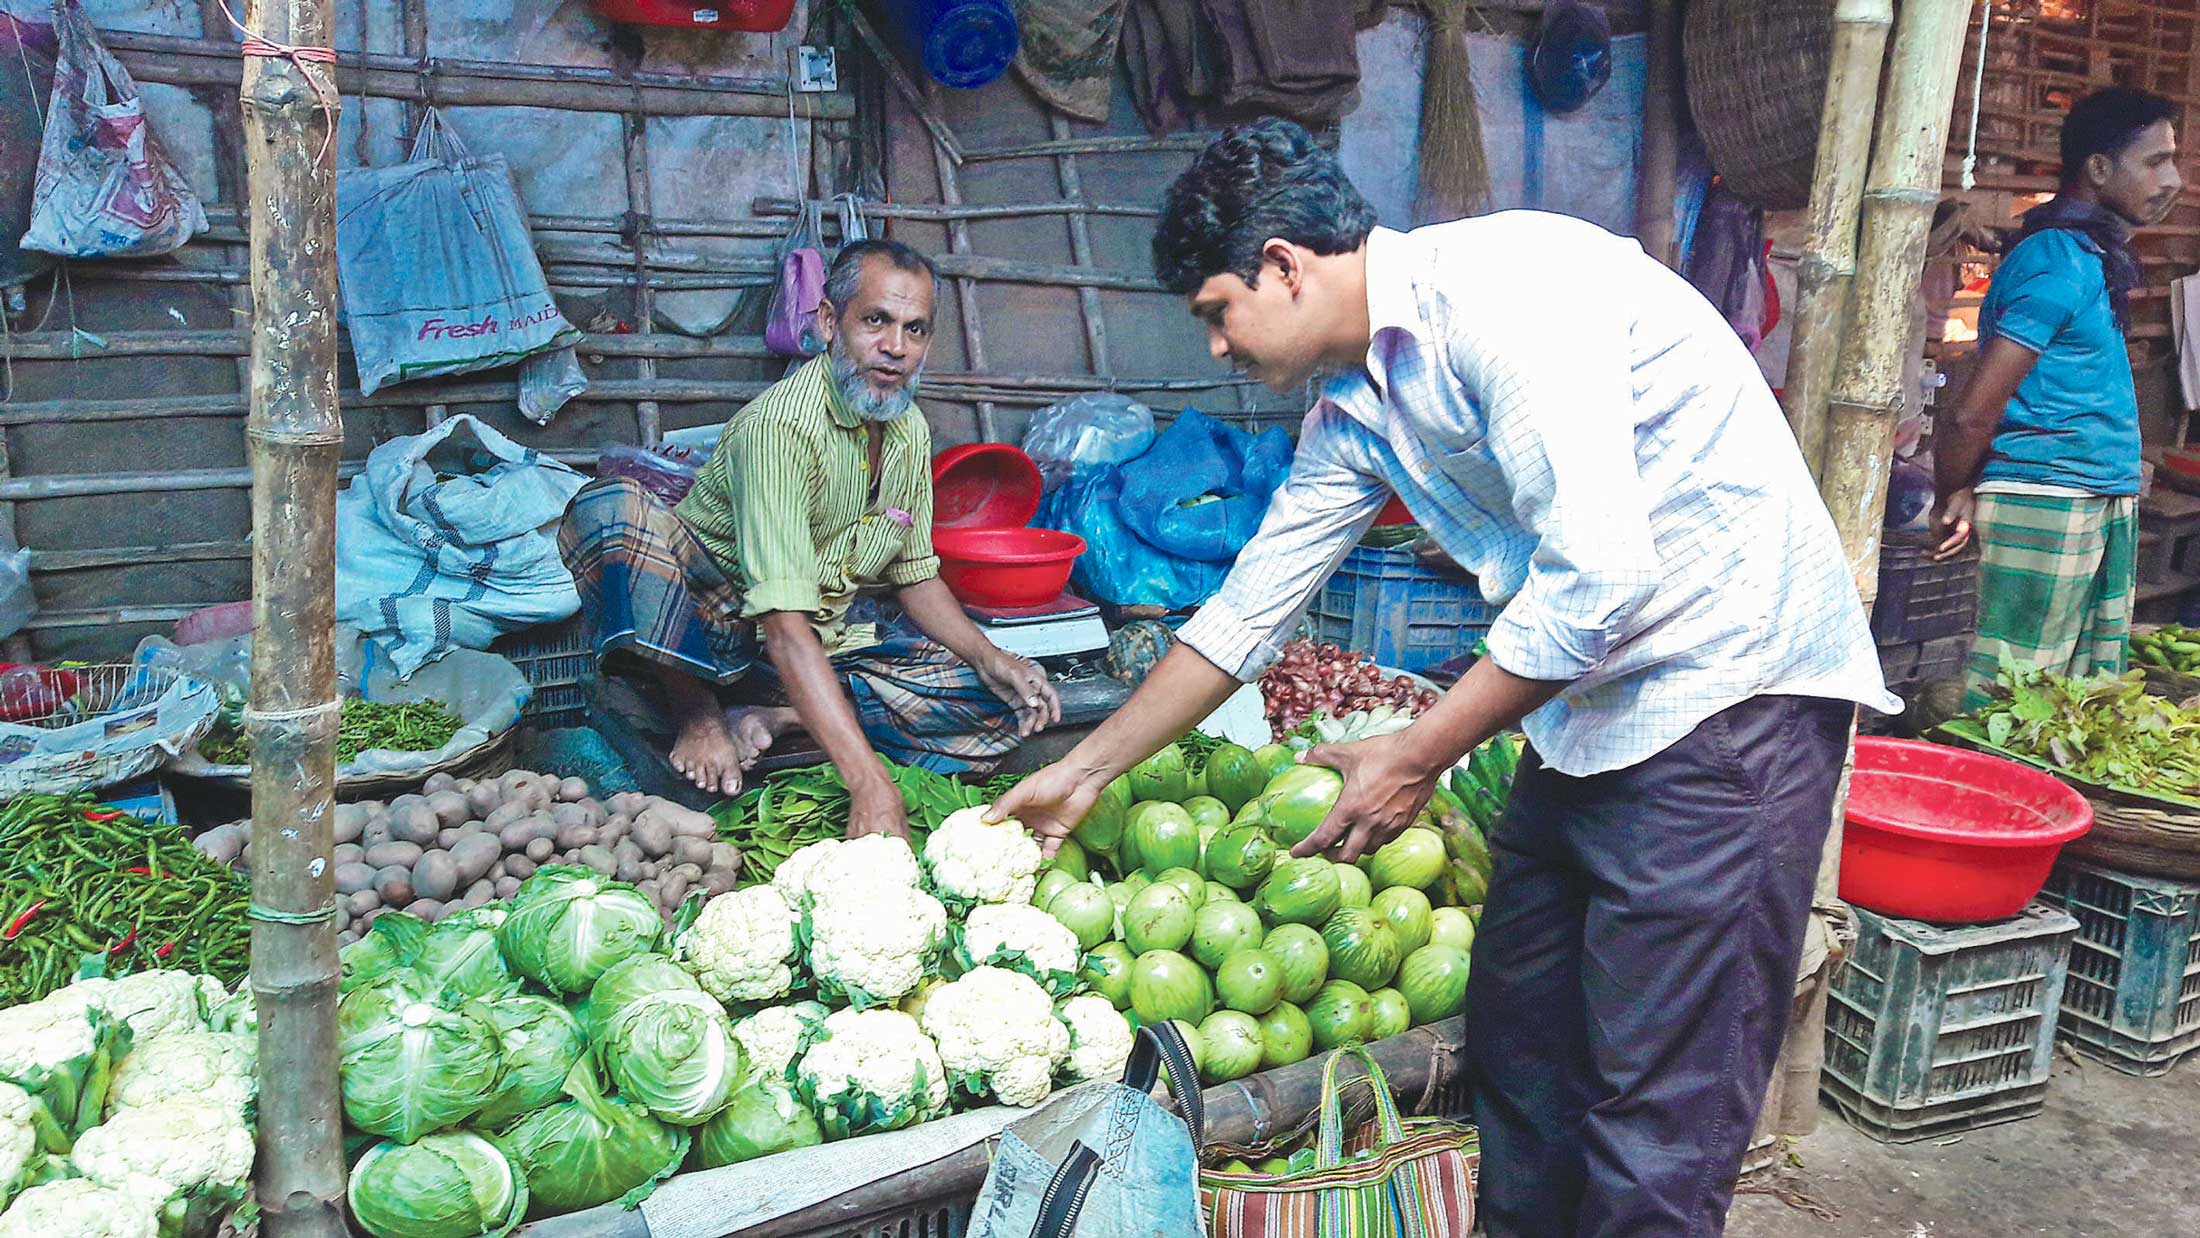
point(1393, 1178)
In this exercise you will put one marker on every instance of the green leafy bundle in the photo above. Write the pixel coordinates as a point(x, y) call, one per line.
point(2104, 729)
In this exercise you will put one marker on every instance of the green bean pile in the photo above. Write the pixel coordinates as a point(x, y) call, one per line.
point(792, 808)
point(408, 726)
point(78, 878)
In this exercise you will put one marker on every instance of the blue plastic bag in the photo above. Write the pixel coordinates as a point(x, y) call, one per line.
point(1165, 528)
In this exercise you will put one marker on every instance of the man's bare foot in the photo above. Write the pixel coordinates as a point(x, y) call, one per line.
point(755, 727)
point(707, 754)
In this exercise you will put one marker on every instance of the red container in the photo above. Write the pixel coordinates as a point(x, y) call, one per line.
point(758, 16)
point(1006, 567)
point(984, 486)
point(1943, 834)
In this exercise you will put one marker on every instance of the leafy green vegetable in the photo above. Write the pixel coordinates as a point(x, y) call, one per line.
point(2104, 729)
point(445, 1186)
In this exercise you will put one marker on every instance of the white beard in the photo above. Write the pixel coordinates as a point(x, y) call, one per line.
point(868, 402)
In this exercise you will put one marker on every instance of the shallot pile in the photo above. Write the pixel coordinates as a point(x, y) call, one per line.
point(1324, 679)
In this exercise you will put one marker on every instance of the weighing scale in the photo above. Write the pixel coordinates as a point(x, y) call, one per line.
point(1063, 628)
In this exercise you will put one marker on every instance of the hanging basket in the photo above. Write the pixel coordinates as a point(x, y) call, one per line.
point(1756, 86)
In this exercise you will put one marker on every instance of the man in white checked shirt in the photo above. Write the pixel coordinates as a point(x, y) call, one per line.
point(1583, 432)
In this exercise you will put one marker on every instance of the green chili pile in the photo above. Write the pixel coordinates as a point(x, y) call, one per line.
point(792, 808)
point(408, 726)
point(79, 878)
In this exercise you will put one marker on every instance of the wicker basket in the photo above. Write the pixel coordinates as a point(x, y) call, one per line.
point(2132, 832)
point(1756, 85)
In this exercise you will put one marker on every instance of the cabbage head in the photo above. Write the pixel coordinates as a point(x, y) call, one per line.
point(461, 956)
point(456, 1185)
point(540, 1042)
point(393, 940)
point(629, 980)
point(765, 1117)
point(412, 1060)
point(591, 1149)
point(566, 926)
point(674, 1054)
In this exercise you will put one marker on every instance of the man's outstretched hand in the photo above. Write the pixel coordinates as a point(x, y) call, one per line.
point(1050, 803)
point(1384, 792)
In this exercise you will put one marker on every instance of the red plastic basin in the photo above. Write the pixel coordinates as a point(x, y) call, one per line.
point(759, 16)
point(1939, 833)
point(984, 486)
point(1006, 567)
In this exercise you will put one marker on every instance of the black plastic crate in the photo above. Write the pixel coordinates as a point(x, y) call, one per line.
point(1934, 1029)
point(2133, 999)
point(1919, 599)
point(554, 657)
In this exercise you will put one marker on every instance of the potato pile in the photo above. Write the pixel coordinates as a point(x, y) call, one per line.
point(461, 843)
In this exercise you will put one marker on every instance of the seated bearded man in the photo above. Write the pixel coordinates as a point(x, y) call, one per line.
point(807, 539)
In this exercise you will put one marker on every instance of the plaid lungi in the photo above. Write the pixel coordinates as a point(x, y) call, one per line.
point(2055, 583)
point(650, 591)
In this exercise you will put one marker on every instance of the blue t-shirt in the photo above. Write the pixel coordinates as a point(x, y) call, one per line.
point(2074, 420)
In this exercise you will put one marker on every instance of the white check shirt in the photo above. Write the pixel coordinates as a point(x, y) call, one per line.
point(1581, 430)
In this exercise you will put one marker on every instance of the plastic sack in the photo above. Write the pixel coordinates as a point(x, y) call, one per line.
point(436, 266)
point(27, 44)
point(1103, 1160)
point(484, 690)
point(1572, 58)
point(666, 470)
point(1163, 529)
point(105, 187)
point(1084, 431)
point(547, 381)
point(17, 604)
point(448, 540)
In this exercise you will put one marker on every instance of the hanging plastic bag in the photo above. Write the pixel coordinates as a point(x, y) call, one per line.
point(1086, 431)
point(18, 606)
point(436, 266)
point(448, 540)
point(1572, 58)
point(106, 188)
point(26, 46)
point(547, 381)
point(790, 326)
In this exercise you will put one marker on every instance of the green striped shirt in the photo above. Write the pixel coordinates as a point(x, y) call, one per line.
point(784, 504)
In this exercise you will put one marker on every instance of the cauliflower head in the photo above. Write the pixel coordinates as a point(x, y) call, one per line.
point(739, 947)
point(773, 1038)
point(1100, 1038)
point(190, 1148)
point(792, 877)
point(80, 1209)
point(872, 941)
point(1023, 938)
point(155, 1003)
point(994, 1027)
point(875, 1070)
point(873, 858)
point(215, 1068)
point(59, 1050)
point(971, 862)
point(28, 1133)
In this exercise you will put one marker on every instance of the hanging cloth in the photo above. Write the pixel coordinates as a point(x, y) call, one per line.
point(1067, 54)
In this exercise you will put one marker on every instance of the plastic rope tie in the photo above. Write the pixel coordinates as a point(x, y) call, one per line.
point(269, 915)
point(1978, 88)
point(254, 45)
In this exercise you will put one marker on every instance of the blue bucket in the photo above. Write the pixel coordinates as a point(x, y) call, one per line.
point(964, 43)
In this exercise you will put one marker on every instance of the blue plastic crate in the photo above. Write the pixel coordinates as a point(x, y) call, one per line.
point(2134, 994)
point(1933, 1029)
point(1383, 603)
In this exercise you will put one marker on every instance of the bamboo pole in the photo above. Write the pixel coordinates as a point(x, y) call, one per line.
point(1661, 103)
point(1828, 266)
point(293, 439)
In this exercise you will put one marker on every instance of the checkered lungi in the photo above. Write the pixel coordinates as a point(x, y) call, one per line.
point(2055, 584)
point(650, 591)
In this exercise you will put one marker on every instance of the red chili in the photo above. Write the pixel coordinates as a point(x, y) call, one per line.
point(143, 871)
point(124, 944)
point(16, 925)
point(163, 952)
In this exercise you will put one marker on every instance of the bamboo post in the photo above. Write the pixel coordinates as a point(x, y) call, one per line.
point(293, 439)
point(1661, 101)
point(1837, 189)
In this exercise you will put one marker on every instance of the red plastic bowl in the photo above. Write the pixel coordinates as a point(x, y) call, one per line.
point(1006, 567)
point(1938, 833)
point(984, 486)
point(759, 16)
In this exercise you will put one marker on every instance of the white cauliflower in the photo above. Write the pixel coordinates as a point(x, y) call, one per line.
point(80, 1209)
point(1100, 1038)
point(792, 877)
point(153, 1003)
point(178, 1149)
point(872, 941)
point(997, 1033)
point(27, 1133)
point(873, 858)
point(213, 1067)
point(59, 1050)
point(1023, 938)
point(874, 1071)
point(739, 947)
point(773, 1037)
point(971, 862)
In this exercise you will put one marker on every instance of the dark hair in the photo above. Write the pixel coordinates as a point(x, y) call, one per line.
point(845, 277)
point(1257, 181)
point(2107, 122)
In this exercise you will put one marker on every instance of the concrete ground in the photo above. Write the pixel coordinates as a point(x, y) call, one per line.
point(2112, 1156)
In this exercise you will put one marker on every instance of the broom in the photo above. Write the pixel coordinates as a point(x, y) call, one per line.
point(1455, 173)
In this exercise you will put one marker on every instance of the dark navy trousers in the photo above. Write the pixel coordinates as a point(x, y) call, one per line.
point(1634, 970)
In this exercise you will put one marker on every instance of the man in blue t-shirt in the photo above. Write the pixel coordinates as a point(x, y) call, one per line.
point(2042, 456)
